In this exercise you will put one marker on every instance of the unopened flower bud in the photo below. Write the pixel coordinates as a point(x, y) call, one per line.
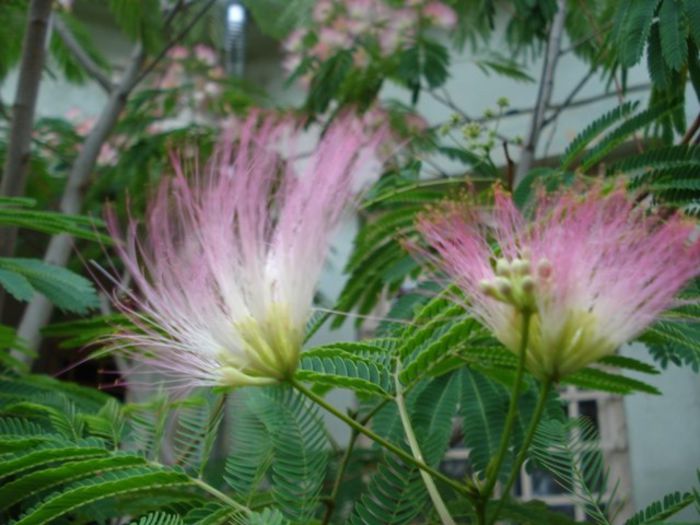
point(544, 269)
point(528, 285)
point(487, 288)
point(502, 267)
point(521, 267)
point(504, 287)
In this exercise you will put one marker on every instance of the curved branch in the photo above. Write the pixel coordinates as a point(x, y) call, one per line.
point(90, 66)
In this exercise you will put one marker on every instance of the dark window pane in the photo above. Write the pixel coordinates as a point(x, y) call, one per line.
point(518, 487)
point(455, 468)
point(544, 484)
point(567, 510)
point(589, 410)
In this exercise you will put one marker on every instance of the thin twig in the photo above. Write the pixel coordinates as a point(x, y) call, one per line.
point(447, 101)
point(563, 106)
point(330, 500)
point(510, 167)
point(79, 53)
point(568, 100)
point(692, 130)
point(177, 38)
point(544, 94)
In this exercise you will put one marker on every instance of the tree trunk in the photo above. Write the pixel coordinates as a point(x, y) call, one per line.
point(14, 179)
point(38, 312)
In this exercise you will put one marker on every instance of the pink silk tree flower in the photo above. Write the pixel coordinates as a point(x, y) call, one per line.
point(591, 269)
point(229, 263)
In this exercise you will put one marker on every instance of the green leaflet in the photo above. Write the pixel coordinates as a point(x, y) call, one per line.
point(334, 366)
point(38, 387)
point(432, 416)
point(288, 15)
point(483, 407)
point(673, 342)
point(444, 347)
point(656, 65)
point(298, 443)
point(624, 131)
point(594, 130)
point(114, 483)
point(596, 379)
point(139, 20)
point(13, 464)
point(109, 423)
point(34, 483)
point(159, 518)
point(379, 260)
point(395, 495)
point(67, 290)
point(19, 212)
point(692, 11)
point(251, 451)
point(673, 32)
point(17, 431)
point(195, 429)
point(570, 450)
point(8, 342)
point(16, 285)
point(631, 28)
point(662, 509)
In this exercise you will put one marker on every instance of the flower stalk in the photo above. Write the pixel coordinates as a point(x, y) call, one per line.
point(433, 491)
point(494, 466)
point(545, 388)
point(355, 425)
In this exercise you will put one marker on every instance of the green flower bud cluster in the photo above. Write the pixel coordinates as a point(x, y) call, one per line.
point(514, 283)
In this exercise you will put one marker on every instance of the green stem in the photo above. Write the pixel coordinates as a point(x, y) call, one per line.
point(480, 508)
point(212, 428)
point(377, 438)
point(330, 501)
point(212, 423)
point(433, 492)
point(495, 466)
point(545, 387)
point(221, 496)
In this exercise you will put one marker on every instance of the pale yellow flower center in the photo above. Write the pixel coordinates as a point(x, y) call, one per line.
point(553, 352)
point(271, 347)
point(568, 342)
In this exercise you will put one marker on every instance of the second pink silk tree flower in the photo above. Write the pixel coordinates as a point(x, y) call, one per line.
point(229, 264)
point(591, 270)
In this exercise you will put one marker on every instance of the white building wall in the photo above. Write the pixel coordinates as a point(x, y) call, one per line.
point(664, 435)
